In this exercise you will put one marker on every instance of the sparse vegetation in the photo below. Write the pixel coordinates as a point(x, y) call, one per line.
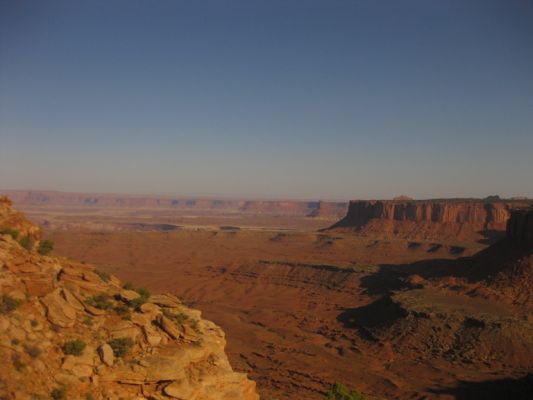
point(74, 347)
point(144, 295)
point(33, 351)
point(8, 304)
point(128, 286)
point(101, 301)
point(340, 392)
point(103, 275)
point(179, 318)
point(59, 393)
point(14, 233)
point(17, 362)
point(45, 247)
point(26, 242)
point(123, 311)
point(121, 346)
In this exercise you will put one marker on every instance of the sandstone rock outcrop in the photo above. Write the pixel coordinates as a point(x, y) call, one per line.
point(454, 219)
point(83, 335)
point(10, 218)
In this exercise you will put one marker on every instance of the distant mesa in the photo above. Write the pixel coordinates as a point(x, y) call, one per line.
point(316, 209)
point(328, 209)
point(458, 219)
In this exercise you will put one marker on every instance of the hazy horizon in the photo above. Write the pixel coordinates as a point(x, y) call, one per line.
point(331, 100)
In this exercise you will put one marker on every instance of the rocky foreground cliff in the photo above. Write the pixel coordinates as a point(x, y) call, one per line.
point(68, 331)
point(461, 219)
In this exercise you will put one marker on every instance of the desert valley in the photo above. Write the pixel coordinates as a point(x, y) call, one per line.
point(275, 200)
point(399, 299)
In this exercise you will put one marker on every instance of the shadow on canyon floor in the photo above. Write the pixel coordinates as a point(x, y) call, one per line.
point(516, 389)
point(490, 236)
point(391, 277)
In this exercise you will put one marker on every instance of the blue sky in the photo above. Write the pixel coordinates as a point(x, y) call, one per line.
point(270, 99)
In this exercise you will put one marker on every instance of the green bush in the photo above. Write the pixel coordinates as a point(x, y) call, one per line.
point(121, 346)
point(101, 301)
point(14, 233)
point(45, 247)
point(123, 311)
point(74, 347)
point(26, 242)
point(340, 392)
point(8, 304)
point(179, 318)
point(59, 393)
point(144, 295)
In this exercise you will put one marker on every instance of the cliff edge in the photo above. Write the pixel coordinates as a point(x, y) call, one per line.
point(69, 331)
point(461, 219)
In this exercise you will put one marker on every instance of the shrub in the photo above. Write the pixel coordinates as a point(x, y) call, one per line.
point(10, 231)
point(45, 247)
point(128, 286)
point(33, 351)
point(8, 304)
point(123, 311)
point(121, 346)
point(59, 393)
point(179, 318)
point(144, 295)
point(17, 362)
point(74, 347)
point(101, 301)
point(26, 242)
point(103, 275)
point(340, 392)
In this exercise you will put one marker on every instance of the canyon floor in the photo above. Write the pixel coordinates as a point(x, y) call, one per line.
point(286, 296)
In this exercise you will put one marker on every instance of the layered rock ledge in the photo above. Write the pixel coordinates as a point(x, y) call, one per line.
point(67, 329)
point(461, 218)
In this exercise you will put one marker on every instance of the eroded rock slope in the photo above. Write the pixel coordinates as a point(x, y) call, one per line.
point(68, 331)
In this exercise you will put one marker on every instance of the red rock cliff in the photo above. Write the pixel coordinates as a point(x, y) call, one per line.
point(443, 219)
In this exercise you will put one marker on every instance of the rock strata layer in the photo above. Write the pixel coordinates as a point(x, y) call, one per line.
point(459, 219)
point(67, 329)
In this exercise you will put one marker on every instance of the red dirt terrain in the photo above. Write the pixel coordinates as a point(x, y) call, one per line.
point(394, 317)
point(422, 310)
